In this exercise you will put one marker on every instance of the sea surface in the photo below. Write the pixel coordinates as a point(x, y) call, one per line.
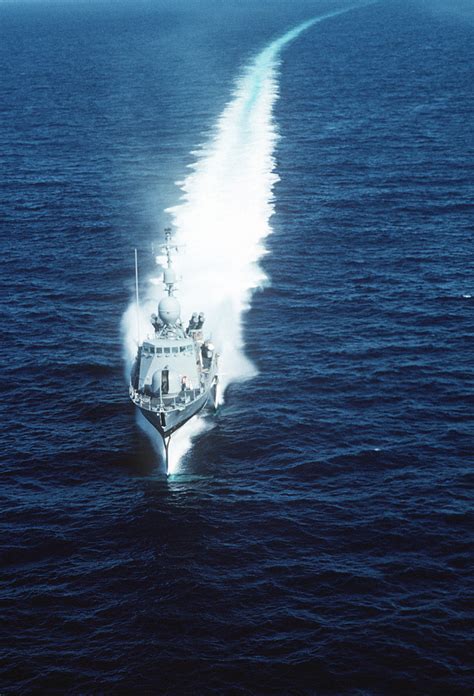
point(315, 536)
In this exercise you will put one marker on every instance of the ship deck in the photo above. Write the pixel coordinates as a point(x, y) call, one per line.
point(170, 402)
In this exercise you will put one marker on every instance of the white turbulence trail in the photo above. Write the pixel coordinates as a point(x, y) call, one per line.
point(223, 220)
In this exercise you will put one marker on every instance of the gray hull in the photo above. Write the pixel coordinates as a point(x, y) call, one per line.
point(168, 422)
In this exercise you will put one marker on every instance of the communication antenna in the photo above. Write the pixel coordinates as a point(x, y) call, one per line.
point(136, 296)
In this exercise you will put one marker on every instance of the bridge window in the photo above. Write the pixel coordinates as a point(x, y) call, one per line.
point(175, 349)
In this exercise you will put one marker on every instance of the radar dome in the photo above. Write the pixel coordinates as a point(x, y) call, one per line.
point(169, 310)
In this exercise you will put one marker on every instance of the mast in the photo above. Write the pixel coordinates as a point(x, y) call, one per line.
point(137, 298)
point(169, 276)
point(169, 309)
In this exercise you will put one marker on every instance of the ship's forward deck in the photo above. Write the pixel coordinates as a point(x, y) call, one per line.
point(169, 402)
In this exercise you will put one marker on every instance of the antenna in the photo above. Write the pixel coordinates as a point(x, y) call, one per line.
point(169, 276)
point(137, 298)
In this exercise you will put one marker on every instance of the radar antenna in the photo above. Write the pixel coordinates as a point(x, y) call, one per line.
point(169, 276)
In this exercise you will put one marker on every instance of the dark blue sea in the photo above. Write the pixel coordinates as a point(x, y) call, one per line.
point(316, 536)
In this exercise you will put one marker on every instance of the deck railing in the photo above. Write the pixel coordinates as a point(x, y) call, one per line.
point(165, 402)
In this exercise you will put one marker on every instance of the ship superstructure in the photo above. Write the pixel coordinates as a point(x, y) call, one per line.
point(175, 371)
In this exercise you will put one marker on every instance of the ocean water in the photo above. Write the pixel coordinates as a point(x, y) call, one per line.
point(316, 534)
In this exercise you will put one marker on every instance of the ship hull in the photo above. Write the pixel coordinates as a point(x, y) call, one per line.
point(169, 422)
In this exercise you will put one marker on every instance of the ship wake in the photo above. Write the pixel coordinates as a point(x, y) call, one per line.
point(223, 220)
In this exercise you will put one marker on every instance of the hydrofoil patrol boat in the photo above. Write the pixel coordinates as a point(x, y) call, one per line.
point(174, 374)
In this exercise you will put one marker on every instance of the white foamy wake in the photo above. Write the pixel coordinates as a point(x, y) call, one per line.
point(222, 222)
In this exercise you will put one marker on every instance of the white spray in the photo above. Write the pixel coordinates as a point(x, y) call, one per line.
point(222, 223)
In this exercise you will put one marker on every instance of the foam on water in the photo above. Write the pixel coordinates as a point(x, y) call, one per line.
point(223, 220)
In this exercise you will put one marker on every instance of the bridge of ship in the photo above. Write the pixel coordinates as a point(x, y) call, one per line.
point(170, 366)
